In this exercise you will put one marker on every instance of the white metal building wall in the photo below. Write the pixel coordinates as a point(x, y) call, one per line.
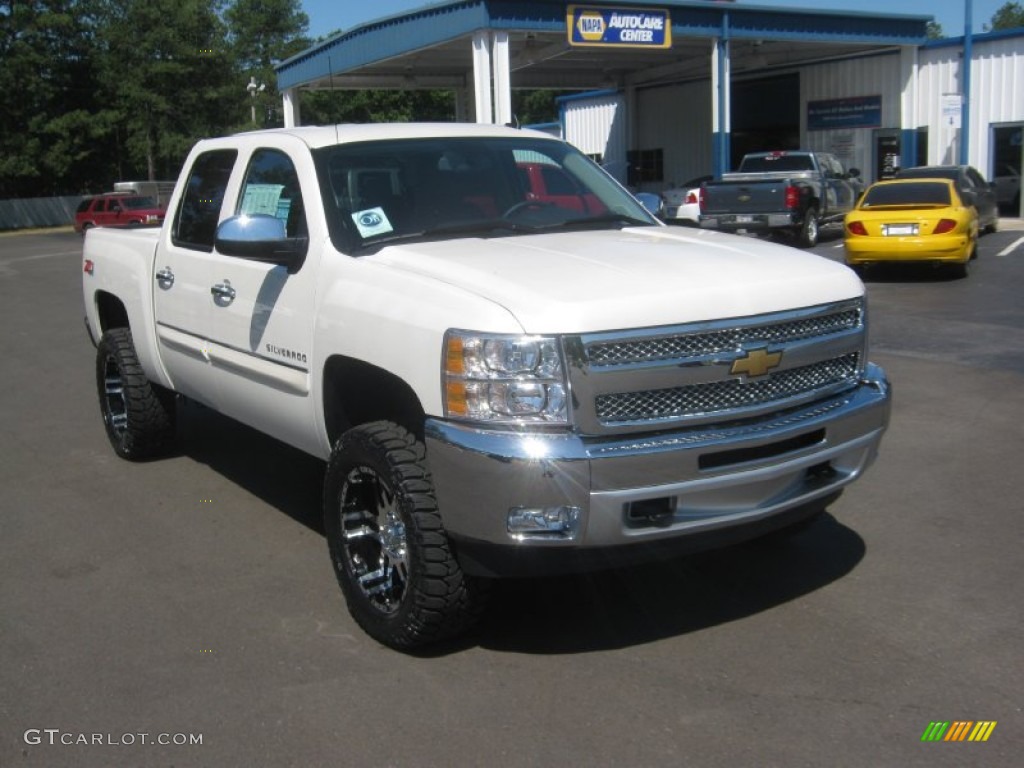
point(864, 76)
point(678, 120)
point(997, 96)
point(597, 126)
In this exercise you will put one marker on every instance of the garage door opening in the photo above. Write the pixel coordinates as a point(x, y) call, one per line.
point(765, 115)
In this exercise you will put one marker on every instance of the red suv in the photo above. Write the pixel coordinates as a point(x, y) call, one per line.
point(117, 210)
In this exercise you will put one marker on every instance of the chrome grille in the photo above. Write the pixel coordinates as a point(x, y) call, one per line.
point(698, 344)
point(728, 395)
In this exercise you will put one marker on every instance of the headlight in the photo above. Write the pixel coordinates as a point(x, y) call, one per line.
point(504, 379)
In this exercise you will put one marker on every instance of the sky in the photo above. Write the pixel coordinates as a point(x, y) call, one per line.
point(326, 16)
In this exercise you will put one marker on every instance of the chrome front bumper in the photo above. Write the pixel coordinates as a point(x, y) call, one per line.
point(651, 489)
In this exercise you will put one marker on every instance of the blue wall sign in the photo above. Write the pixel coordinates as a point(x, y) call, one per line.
point(854, 112)
point(618, 27)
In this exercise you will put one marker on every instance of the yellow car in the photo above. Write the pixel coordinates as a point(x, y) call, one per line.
point(912, 220)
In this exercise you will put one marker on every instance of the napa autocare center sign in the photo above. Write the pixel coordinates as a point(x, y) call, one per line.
point(601, 26)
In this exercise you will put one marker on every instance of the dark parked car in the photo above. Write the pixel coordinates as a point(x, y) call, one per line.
point(117, 210)
point(971, 186)
point(1007, 181)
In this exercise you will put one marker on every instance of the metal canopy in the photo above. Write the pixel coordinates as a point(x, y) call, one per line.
point(432, 47)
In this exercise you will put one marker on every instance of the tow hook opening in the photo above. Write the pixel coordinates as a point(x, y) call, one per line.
point(651, 512)
point(821, 474)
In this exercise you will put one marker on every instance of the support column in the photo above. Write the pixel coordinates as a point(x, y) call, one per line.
point(502, 79)
point(482, 76)
point(721, 121)
point(965, 86)
point(290, 107)
point(909, 108)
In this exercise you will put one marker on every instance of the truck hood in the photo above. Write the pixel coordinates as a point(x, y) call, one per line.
point(580, 282)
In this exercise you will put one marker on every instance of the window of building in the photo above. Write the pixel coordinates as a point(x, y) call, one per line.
point(645, 165)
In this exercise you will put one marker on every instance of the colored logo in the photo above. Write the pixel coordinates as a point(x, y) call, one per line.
point(591, 26)
point(959, 730)
point(757, 362)
point(371, 219)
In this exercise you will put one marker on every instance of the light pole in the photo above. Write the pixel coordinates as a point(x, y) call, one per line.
point(253, 88)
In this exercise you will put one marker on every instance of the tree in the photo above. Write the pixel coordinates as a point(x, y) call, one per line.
point(372, 106)
point(1010, 16)
point(168, 78)
point(533, 107)
point(262, 33)
point(934, 30)
point(47, 82)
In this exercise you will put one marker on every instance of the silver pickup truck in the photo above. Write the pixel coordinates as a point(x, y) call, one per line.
point(790, 192)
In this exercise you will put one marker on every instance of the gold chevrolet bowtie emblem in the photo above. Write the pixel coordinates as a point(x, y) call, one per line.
point(757, 362)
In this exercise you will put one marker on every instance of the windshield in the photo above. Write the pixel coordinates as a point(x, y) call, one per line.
point(417, 189)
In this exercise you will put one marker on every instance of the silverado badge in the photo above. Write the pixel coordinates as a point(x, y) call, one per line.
point(756, 362)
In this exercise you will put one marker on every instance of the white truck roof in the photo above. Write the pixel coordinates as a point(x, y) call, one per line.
point(316, 136)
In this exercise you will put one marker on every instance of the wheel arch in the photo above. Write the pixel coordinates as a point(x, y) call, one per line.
point(110, 311)
point(356, 392)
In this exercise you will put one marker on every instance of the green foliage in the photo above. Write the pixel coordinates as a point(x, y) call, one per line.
point(46, 84)
point(330, 107)
point(934, 30)
point(1009, 16)
point(260, 33)
point(534, 107)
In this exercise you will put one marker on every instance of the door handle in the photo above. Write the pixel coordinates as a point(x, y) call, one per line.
point(165, 278)
point(223, 293)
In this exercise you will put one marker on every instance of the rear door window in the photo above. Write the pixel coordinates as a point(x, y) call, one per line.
point(195, 223)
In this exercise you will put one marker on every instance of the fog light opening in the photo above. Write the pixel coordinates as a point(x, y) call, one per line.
point(544, 522)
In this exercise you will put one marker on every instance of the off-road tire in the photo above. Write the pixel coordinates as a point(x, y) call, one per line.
point(138, 415)
point(809, 232)
point(387, 543)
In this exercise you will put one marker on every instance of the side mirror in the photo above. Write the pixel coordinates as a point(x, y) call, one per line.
point(650, 201)
point(262, 238)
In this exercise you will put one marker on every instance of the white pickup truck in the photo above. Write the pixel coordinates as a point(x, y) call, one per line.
point(508, 365)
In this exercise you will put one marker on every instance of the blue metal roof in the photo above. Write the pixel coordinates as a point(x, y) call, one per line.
point(424, 28)
point(982, 37)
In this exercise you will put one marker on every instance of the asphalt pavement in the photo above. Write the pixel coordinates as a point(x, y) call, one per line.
point(183, 612)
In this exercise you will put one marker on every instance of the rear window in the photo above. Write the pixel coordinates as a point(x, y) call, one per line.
point(924, 193)
point(776, 163)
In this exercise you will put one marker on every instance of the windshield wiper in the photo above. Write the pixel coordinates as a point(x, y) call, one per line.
point(604, 218)
point(486, 226)
point(496, 225)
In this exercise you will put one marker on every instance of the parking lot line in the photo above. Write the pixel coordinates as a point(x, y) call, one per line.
point(1011, 247)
